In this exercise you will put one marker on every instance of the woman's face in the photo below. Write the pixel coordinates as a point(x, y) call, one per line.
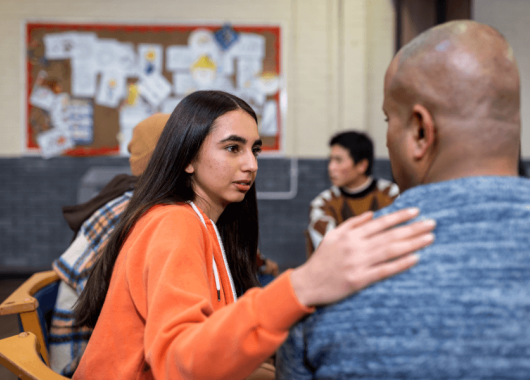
point(226, 166)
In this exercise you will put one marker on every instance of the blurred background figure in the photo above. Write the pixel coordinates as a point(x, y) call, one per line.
point(354, 190)
point(92, 223)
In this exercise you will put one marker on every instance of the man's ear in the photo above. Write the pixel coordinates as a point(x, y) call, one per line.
point(423, 131)
point(362, 165)
point(190, 169)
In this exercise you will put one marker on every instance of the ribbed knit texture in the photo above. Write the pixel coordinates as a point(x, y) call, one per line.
point(462, 313)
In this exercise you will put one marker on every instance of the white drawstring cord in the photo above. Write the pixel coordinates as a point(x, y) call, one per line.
point(215, 271)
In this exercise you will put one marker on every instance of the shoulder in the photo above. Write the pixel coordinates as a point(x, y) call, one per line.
point(387, 187)
point(326, 196)
point(181, 215)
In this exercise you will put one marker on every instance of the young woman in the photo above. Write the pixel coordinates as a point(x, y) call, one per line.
point(163, 293)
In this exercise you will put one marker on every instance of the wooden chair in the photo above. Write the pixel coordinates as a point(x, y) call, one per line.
point(21, 355)
point(33, 302)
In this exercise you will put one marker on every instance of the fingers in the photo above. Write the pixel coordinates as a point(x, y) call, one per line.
point(387, 221)
point(358, 220)
point(387, 269)
point(397, 248)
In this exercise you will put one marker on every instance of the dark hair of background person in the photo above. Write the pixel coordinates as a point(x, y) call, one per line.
point(166, 181)
point(358, 144)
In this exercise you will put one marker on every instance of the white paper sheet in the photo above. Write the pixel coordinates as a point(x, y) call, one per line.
point(130, 116)
point(247, 70)
point(179, 57)
point(84, 46)
point(41, 96)
point(248, 45)
point(54, 142)
point(111, 89)
point(84, 78)
point(59, 45)
point(269, 122)
point(183, 83)
point(202, 42)
point(106, 54)
point(80, 119)
point(168, 105)
point(59, 112)
point(154, 88)
point(269, 84)
point(150, 58)
point(127, 59)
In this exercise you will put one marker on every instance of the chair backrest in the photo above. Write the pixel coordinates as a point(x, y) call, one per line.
point(21, 355)
point(33, 302)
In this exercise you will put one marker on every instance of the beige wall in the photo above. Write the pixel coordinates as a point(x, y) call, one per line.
point(335, 55)
point(510, 17)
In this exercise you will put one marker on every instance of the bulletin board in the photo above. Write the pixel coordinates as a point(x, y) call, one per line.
point(88, 85)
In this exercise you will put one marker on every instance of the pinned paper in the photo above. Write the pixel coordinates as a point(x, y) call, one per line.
point(203, 72)
point(183, 83)
point(150, 58)
point(132, 94)
point(202, 42)
point(226, 36)
point(169, 105)
point(268, 83)
point(223, 83)
point(41, 96)
point(154, 88)
point(179, 58)
point(80, 119)
point(84, 46)
point(59, 45)
point(54, 142)
point(59, 112)
point(106, 54)
point(112, 88)
point(249, 45)
point(247, 70)
point(269, 121)
point(127, 61)
point(130, 116)
point(84, 78)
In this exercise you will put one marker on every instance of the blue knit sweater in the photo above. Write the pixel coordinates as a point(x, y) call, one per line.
point(462, 313)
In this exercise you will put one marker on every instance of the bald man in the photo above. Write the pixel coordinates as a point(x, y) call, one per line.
point(452, 103)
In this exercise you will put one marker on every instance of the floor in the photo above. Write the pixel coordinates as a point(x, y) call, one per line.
point(8, 323)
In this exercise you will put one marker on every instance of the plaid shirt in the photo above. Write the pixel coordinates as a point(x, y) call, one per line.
point(67, 343)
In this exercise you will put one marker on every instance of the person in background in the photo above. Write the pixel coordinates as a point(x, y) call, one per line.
point(452, 102)
point(162, 296)
point(92, 223)
point(354, 190)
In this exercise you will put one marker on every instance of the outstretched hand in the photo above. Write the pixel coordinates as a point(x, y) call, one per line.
point(359, 252)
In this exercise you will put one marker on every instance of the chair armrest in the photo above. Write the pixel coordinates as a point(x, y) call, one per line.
point(21, 300)
point(20, 355)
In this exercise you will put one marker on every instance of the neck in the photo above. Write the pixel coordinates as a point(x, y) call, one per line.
point(359, 185)
point(456, 166)
point(212, 211)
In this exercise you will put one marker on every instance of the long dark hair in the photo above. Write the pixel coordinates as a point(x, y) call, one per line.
point(166, 181)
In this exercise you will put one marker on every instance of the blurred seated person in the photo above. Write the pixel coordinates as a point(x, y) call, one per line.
point(92, 223)
point(354, 190)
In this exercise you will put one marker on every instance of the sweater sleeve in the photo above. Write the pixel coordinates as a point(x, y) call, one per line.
point(184, 337)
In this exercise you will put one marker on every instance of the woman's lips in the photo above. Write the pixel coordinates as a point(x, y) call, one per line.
point(242, 186)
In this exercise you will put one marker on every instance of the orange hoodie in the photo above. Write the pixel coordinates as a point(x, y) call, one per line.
point(162, 318)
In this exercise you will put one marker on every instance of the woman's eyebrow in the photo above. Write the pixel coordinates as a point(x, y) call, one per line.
point(239, 139)
point(234, 138)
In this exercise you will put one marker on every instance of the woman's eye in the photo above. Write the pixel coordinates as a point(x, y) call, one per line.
point(256, 151)
point(232, 148)
point(386, 119)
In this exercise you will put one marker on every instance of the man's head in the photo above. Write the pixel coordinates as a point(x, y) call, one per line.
point(350, 159)
point(452, 101)
point(143, 142)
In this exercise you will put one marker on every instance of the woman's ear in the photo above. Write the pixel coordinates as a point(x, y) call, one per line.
point(423, 131)
point(190, 169)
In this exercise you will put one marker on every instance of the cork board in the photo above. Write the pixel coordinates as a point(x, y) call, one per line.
point(101, 130)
